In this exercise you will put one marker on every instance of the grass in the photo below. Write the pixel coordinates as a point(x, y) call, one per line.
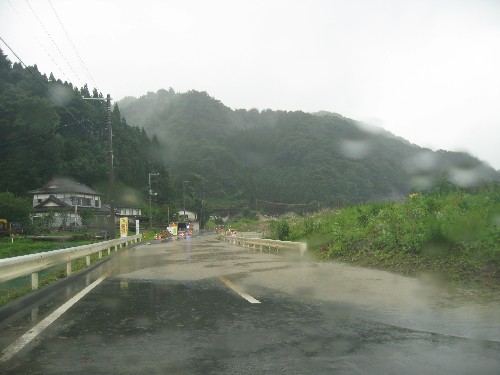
point(14, 289)
point(455, 235)
point(22, 286)
point(24, 246)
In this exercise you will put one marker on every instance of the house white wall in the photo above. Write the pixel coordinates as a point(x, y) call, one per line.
point(189, 214)
point(84, 200)
point(130, 211)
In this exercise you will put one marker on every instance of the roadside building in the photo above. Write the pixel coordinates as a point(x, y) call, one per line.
point(69, 203)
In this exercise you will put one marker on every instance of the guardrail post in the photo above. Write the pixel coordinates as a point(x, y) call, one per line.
point(116, 248)
point(68, 268)
point(87, 259)
point(34, 280)
point(100, 254)
point(109, 250)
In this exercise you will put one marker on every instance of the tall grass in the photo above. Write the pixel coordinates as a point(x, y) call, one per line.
point(457, 233)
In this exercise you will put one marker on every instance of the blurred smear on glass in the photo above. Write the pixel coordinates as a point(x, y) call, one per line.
point(371, 125)
point(423, 161)
point(130, 196)
point(496, 220)
point(60, 95)
point(465, 177)
point(422, 181)
point(355, 149)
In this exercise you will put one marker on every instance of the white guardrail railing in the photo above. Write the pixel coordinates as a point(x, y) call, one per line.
point(263, 244)
point(11, 268)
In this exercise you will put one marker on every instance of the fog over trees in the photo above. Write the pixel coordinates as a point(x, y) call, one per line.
point(232, 158)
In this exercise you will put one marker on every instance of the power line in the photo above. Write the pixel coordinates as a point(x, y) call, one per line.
point(52, 39)
point(41, 44)
point(37, 134)
point(283, 204)
point(23, 138)
point(24, 65)
point(73, 45)
point(44, 85)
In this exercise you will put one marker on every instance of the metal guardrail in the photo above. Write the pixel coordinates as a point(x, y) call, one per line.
point(11, 268)
point(301, 247)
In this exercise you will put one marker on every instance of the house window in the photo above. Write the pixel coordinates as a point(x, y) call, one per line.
point(97, 203)
point(86, 202)
point(39, 200)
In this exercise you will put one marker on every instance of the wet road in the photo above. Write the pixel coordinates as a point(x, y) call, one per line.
point(182, 307)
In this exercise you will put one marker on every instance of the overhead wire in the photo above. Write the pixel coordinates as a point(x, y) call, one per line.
point(80, 122)
point(53, 41)
point(37, 134)
point(73, 45)
point(283, 204)
point(41, 44)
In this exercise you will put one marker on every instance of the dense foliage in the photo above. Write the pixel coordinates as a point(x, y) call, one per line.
point(456, 233)
point(221, 160)
point(247, 158)
point(47, 129)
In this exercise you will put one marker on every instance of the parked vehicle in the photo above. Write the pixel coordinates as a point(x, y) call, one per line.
point(181, 229)
point(5, 228)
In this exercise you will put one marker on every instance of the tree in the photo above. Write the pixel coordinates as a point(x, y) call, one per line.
point(14, 208)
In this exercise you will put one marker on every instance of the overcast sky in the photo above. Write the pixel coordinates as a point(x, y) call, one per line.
point(426, 70)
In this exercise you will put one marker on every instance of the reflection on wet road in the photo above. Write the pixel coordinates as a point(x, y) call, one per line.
point(165, 309)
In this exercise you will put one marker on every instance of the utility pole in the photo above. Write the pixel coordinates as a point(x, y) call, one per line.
point(184, 197)
point(111, 171)
point(110, 166)
point(150, 194)
point(201, 215)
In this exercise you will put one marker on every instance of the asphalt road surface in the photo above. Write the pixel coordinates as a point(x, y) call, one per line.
point(202, 306)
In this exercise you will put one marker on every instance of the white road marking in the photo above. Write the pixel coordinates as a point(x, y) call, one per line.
point(246, 296)
point(25, 339)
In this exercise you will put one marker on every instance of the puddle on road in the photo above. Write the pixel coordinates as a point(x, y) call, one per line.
point(387, 298)
point(383, 296)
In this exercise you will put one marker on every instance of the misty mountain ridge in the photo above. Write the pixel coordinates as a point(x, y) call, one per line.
point(292, 157)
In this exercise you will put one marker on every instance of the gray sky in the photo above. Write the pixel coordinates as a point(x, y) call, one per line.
point(426, 70)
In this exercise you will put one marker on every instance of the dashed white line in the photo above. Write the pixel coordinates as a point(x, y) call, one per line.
point(25, 339)
point(246, 296)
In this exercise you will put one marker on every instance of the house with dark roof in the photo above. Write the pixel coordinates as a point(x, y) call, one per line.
point(68, 199)
point(132, 211)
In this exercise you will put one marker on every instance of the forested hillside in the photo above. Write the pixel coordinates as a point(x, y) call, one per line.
point(231, 158)
point(48, 130)
point(248, 157)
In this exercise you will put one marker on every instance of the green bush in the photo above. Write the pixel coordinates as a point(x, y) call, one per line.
point(280, 230)
point(455, 231)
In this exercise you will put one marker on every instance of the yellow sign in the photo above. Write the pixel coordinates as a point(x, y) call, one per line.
point(173, 229)
point(123, 227)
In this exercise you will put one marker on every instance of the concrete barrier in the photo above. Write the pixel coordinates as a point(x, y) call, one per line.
point(300, 247)
point(11, 268)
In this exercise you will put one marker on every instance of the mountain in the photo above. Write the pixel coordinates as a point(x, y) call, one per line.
point(47, 130)
point(250, 157)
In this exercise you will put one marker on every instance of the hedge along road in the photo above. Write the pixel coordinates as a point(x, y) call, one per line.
point(202, 306)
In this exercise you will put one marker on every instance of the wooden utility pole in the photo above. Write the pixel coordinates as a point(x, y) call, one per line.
point(110, 167)
point(111, 172)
